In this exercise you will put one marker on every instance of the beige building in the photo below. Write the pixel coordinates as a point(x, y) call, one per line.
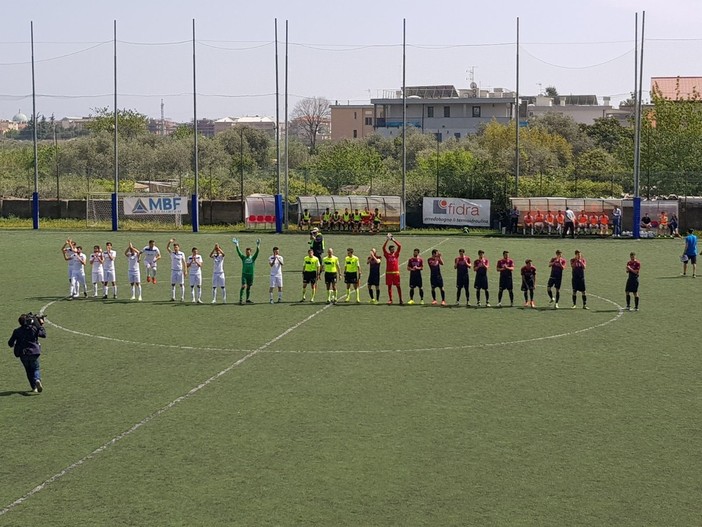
point(351, 121)
point(677, 87)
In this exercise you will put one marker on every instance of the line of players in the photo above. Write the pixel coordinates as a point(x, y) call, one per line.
point(315, 265)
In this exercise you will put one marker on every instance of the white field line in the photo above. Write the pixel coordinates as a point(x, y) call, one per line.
point(157, 413)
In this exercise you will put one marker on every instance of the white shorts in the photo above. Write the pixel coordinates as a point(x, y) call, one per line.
point(134, 277)
point(98, 276)
point(195, 279)
point(276, 281)
point(78, 277)
point(109, 275)
point(218, 280)
point(150, 265)
point(177, 277)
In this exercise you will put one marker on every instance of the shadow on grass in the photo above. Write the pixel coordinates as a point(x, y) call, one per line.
point(25, 393)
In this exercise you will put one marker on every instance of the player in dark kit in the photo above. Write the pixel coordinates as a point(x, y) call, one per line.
point(415, 266)
point(528, 273)
point(462, 266)
point(633, 267)
point(578, 265)
point(373, 262)
point(557, 264)
point(480, 267)
point(435, 262)
point(505, 267)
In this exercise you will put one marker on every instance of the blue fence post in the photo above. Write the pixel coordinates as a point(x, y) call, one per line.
point(194, 213)
point(35, 210)
point(115, 211)
point(636, 227)
point(279, 213)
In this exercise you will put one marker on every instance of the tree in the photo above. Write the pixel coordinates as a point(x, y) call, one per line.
point(608, 134)
point(130, 123)
point(309, 116)
point(346, 162)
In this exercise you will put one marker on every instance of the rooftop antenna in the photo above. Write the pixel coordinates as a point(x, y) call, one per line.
point(541, 88)
point(471, 74)
point(163, 120)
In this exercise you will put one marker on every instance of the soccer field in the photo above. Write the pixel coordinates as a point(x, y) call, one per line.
point(170, 413)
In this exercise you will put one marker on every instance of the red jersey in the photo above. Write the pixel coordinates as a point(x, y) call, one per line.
point(557, 264)
point(462, 263)
point(633, 267)
point(529, 272)
point(392, 260)
point(506, 264)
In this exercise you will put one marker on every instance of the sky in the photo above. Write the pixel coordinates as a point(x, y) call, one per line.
point(348, 52)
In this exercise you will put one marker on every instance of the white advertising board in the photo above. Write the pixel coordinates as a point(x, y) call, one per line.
point(146, 205)
point(456, 211)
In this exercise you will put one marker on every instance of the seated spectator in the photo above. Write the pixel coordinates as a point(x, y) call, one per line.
point(646, 222)
point(346, 220)
point(377, 220)
point(673, 226)
point(528, 223)
point(604, 224)
point(550, 222)
point(366, 218)
point(583, 221)
point(594, 223)
point(560, 220)
point(305, 220)
point(325, 220)
point(539, 222)
point(336, 221)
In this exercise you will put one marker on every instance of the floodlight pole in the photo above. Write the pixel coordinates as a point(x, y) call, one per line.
point(516, 147)
point(403, 211)
point(35, 194)
point(194, 207)
point(115, 194)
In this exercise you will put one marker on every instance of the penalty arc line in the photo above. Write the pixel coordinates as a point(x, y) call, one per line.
point(154, 415)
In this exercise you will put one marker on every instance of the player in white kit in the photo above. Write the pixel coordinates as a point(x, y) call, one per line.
point(133, 271)
point(178, 269)
point(68, 250)
point(108, 270)
point(195, 270)
point(276, 262)
point(218, 279)
point(152, 255)
point(76, 264)
point(96, 260)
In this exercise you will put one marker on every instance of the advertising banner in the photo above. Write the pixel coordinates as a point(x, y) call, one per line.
point(145, 205)
point(456, 211)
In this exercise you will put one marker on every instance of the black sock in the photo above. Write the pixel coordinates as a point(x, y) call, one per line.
point(526, 298)
point(584, 299)
point(411, 293)
point(636, 302)
point(377, 293)
point(458, 295)
point(443, 295)
point(421, 293)
point(433, 293)
point(531, 294)
point(628, 300)
point(477, 294)
point(511, 296)
point(575, 299)
point(550, 294)
point(487, 296)
point(558, 296)
point(370, 292)
point(499, 296)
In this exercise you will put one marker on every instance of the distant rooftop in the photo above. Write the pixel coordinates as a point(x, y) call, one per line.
point(677, 87)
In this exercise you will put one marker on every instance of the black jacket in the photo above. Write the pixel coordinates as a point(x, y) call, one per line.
point(25, 340)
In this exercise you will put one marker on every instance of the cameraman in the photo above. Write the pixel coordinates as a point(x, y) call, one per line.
point(25, 340)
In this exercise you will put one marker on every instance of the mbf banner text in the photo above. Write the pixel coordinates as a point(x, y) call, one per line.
point(155, 205)
point(456, 211)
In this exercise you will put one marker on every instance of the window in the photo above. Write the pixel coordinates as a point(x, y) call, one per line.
point(369, 121)
point(355, 134)
point(354, 116)
point(457, 135)
point(447, 111)
point(430, 111)
point(476, 111)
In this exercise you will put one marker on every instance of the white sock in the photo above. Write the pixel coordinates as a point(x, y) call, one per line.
point(214, 294)
point(224, 295)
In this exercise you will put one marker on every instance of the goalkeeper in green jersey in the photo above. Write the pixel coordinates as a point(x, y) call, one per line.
point(248, 261)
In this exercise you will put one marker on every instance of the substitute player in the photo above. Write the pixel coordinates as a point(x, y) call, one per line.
point(248, 262)
point(578, 265)
point(528, 273)
point(556, 264)
point(310, 273)
point(462, 266)
point(505, 267)
point(108, 269)
point(179, 268)
point(152, 255)
point(352, 274)
point(218, 278)
point(97, 274)
point(435, 261)
point(633, 267)
point(373, 262)
point(415, 266)
point(480, 268)
point(276, 262)
point(133, 272)
point(194, 264)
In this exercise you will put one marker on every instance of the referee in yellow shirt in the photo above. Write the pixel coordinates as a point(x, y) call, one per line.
point(352, 274)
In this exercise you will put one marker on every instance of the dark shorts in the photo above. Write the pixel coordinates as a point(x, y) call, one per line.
point(527, 284)
point(506, 282)
point(632, 284)
point(330, 278)
point(692, 259)
point(392, 279)
point(555, 281)
point(462, 280)
point(374, 279)
point(247, 279)
point(480, 282)
point(437, 281)
point(578, 284)
point(415, 279)
point(350, 278)
point(309, 277)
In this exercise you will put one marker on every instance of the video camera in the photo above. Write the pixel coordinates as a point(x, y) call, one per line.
point(30, 319)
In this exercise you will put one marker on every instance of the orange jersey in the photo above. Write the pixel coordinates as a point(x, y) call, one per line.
point(582, 219)
point(539, 217)
point(593, 220)
point(604, 219)
point(664, 219)
point(560, 218)
point(549, 218)
point(528, 220)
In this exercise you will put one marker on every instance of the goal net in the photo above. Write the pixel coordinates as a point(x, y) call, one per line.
point(99, 209)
